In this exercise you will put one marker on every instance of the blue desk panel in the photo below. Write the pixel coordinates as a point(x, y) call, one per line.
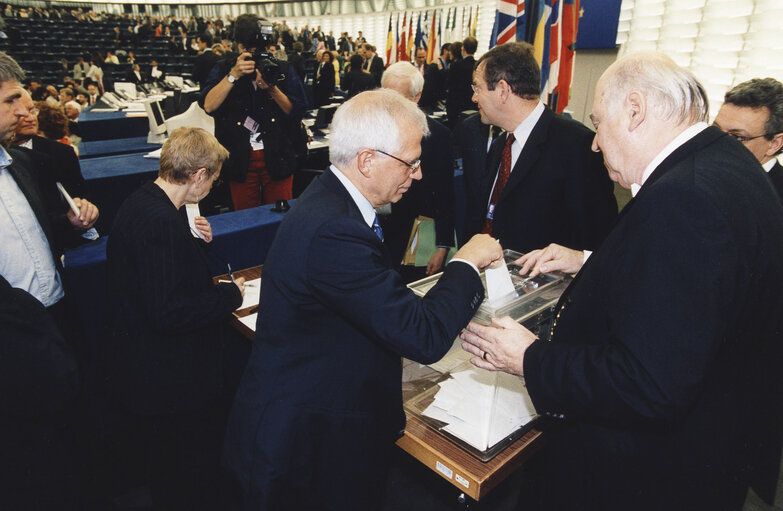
point(113, 147)
point(111, 125)
point(241, 238)
point(111, 179)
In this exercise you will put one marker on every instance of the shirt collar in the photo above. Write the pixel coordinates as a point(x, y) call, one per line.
point(771, 163)
point(683, 137)
point(365, 208)
point(522, 132)
point(5, 158)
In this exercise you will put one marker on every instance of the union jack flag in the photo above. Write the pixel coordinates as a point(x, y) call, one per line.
point(509, 22)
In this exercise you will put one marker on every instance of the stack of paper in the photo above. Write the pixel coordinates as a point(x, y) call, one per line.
point(482, 407)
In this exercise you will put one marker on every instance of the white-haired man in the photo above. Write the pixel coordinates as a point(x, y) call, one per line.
point(663, 368)
point(431, 196)
point(320, 402)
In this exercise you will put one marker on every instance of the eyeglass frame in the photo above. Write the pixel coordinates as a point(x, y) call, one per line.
point(33, 112)
point(742, 138)
point(412, 167)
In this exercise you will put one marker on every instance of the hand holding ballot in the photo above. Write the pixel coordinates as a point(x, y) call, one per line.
point(552, 258)
point(482, 250)
point(500, 347)
point(203, 226)
point(88, 214)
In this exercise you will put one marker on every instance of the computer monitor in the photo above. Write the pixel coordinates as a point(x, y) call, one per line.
point(324, 116)
point(127, 89)
point(157, 121)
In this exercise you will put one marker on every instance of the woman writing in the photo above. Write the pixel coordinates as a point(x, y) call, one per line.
point(169, 324)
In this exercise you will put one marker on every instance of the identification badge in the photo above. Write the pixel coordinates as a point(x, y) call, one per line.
point(251, 124)
point(491, 212)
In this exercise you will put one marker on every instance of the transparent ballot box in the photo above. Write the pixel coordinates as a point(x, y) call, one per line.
point(482, 412)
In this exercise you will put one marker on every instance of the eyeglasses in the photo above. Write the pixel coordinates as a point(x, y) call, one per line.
point(742, 138)
point(412, 166)
point(33, 112)
point(475, 89)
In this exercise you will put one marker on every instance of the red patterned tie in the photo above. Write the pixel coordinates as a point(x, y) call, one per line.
point(503, 173)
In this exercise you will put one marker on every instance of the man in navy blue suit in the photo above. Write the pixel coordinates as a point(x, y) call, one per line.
point(320, 403)
point(753, 114)
point(662, 376)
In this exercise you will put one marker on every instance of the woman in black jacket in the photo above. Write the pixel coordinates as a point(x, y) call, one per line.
point(169, 324)
point(324, 80)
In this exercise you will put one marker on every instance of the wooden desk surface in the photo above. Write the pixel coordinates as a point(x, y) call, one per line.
point(249, 274)
point(468, 474)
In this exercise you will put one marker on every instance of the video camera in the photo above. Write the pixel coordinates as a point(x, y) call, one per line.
point(266, 64)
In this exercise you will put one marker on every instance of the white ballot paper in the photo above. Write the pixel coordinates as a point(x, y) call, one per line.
point(193, 211)
point(250, 321)
point(252, 294)
point(481, 407)
point(499, 285)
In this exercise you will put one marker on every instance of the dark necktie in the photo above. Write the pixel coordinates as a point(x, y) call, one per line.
point(503, 173)
point(376, 227)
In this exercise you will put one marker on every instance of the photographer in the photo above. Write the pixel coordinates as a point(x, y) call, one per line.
point(258, 103)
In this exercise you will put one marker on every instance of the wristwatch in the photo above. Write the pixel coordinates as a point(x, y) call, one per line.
point(231, 78)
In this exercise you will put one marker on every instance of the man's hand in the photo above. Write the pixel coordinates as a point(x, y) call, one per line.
point(482, 250)
point(88, 214)
point(435, 263)
point(500, 347)
point(245, 65)
point(552, 258)
point(202, 224)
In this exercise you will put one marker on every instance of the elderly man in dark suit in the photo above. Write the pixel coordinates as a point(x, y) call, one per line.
point(753, 114)
point(542, 183)
point(433, 195)
point(320, 401)
point(662, 374)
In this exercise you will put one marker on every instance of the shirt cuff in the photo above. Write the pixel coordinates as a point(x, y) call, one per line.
point(468, 263)
point(586, 255)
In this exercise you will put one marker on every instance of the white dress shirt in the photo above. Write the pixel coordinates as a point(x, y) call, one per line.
point(27, 261)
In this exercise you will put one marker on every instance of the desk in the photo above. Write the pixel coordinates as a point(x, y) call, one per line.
point(242, 238)
point(111, 179)
point(111, 125)
point(469, 475)
point(113, 147)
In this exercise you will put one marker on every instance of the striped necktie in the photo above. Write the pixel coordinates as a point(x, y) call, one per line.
point(376, 227)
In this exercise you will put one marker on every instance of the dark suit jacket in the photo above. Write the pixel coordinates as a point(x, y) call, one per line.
point(41, 193)
point(320, 402)
point(558, 191)
point(62, 165)
point(459, 94)
point(776, 175)
point(39, 385)
point(168, 318)
point(203, 65)
point(323, 87)
point(298, 62)
point(432, 195)
point(433, 87)
point(356, 81)
point(471, 137)
point(665, 359)
point(376, 69)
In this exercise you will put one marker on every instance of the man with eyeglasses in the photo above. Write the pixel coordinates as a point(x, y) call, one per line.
point(542, 182)
point(320, 402)
point(753, 114)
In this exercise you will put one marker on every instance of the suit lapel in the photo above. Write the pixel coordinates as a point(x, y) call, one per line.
point(528, 158)
point(31, 192)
